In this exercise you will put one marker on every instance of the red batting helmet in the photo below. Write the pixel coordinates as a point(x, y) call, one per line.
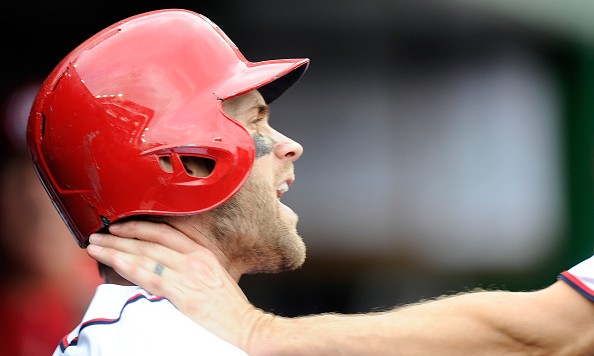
point(145, 89)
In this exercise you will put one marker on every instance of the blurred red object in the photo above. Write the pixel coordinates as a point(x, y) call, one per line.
point(46, 280)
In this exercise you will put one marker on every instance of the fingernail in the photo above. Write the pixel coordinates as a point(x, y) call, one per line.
point(94, 248)
point(114, 227)
point(95, 238)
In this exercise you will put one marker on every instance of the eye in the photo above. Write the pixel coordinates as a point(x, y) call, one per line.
point(257, 120)
point(258, 124)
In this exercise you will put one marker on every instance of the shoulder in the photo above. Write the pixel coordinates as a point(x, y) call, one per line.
point(129, 320)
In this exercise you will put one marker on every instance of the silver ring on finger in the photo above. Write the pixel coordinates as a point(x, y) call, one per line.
point(159, 269)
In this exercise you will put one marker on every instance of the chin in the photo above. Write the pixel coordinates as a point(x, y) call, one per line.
point(295, 254)
point(287, 254)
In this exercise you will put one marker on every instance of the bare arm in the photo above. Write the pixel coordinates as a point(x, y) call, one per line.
point(551, 321)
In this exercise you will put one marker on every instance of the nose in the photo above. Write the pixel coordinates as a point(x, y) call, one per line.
point(287, 148)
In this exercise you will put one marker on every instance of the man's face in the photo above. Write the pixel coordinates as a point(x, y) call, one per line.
point(255, 229)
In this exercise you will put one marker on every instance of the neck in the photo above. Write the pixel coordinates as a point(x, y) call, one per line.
point(197, 230)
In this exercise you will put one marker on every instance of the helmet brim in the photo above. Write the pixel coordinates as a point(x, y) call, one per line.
point(271, 78)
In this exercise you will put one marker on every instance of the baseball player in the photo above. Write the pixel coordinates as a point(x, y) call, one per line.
point(160, 117)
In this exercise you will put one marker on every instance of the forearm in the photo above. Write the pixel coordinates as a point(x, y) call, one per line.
point(429, 329)
point(551, 321)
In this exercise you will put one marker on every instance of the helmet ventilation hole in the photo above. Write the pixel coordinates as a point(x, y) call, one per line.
point(165, 163)
point(198, 166)
point(194, 166)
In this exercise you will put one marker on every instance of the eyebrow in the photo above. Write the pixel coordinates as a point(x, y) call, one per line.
point(263, 110)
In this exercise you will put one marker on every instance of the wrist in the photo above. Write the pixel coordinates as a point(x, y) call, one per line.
point(270, 335)
point(257, 327)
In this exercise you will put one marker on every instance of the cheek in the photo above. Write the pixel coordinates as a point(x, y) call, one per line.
point(263, 178)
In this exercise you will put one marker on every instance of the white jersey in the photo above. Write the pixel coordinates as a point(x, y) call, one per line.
point(581, 277)
point(127, 320)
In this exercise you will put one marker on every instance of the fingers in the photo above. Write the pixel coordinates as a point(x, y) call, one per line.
point(158, 233)
point(144, 271)
point(147, 243)
point(137, 260)
point(132, 259)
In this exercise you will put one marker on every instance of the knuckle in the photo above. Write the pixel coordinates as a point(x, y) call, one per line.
point(132, 225)
point(159, 284)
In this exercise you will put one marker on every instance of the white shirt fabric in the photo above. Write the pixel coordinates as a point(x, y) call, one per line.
point(127, 320)
point(581, 277)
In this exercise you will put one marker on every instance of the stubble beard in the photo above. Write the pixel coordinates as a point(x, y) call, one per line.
point(251, 231)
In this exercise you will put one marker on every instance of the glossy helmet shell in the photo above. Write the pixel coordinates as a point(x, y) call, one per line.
point(147, 88)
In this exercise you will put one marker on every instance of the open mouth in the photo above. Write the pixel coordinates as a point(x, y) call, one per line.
point(282, 189)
